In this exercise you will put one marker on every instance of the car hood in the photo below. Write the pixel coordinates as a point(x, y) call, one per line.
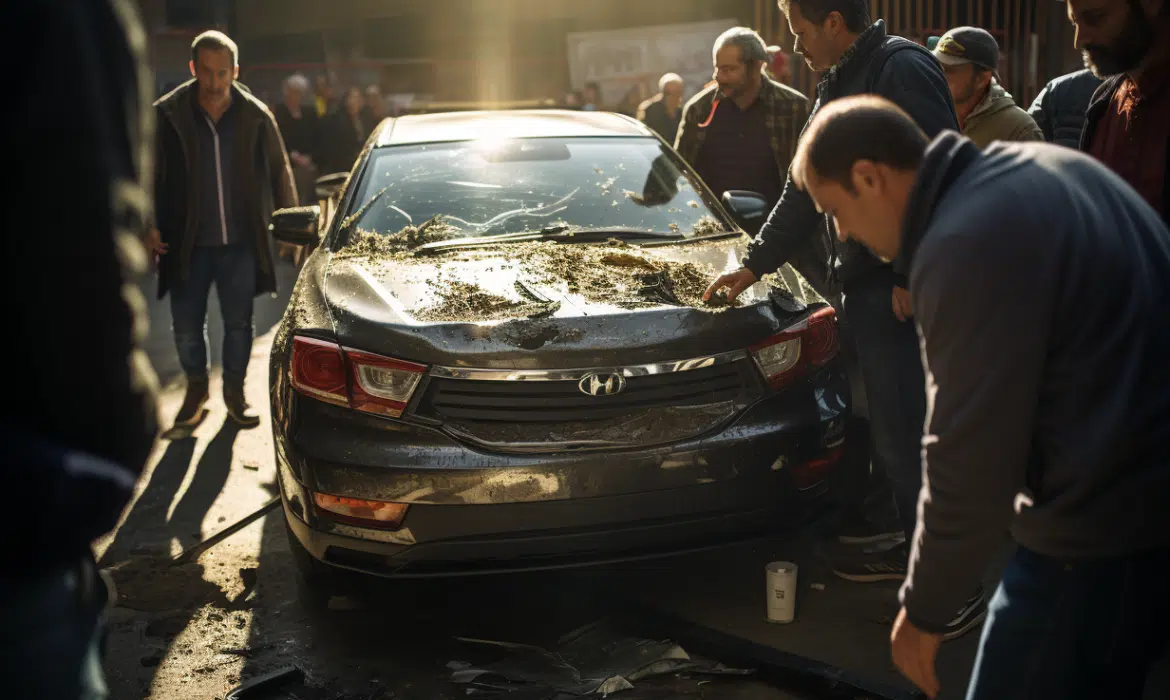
point(579, 305)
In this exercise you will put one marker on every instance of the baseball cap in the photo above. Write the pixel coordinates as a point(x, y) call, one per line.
point(966, 45)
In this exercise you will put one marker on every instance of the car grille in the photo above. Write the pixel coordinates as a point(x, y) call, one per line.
point(559, 401)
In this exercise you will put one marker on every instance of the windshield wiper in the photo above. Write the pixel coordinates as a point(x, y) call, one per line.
point(558, 233)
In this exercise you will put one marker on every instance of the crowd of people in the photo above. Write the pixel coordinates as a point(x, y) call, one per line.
point(322, 132)
point(972, 265)
point(1005, 301)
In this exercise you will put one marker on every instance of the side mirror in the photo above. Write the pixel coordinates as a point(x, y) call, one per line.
point(749, 209)
point(331, 184)
point(296, 225)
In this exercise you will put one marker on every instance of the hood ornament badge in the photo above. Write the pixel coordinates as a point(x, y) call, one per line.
point(602, 384)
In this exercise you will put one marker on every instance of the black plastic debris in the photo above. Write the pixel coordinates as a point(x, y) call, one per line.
point(267, 686)
point(594, 660)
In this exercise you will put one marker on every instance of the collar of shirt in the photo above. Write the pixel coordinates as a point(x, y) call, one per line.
point(202, 113)
point(861, 47)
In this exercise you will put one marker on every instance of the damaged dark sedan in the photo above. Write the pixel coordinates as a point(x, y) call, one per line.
point(498, 359)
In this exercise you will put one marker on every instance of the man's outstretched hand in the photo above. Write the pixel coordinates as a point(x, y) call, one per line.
point(914, 652)
point(735, 282)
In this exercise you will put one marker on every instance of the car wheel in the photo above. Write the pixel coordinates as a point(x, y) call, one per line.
point(314, 582)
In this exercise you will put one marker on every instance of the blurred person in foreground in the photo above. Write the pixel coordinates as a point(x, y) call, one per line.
point(855, 55)
point(663, 112)
point(1127, 127)
point(1026, 246)
point(346, 131)
point(222, 171)
point(81, 420)
point(1059, 109)
point(986, 111)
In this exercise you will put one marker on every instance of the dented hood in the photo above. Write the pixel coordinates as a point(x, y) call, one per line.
point(525, 313)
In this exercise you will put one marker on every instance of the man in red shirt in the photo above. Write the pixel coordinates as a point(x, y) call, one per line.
point(1127, 126)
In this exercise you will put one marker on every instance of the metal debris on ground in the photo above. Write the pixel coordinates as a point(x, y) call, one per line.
point(267, 685)
point(192, 553)
point(595, 660)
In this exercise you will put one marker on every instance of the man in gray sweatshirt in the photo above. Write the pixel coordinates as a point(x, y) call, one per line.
point(1040, 283)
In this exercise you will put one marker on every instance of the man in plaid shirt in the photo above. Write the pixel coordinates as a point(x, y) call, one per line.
point(740, 133)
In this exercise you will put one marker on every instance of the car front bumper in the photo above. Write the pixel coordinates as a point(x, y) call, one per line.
point(474, 512)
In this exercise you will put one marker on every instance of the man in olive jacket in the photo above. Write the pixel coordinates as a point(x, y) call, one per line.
point(221, 171)
point(987, 112)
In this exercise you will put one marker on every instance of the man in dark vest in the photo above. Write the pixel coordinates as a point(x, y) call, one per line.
point(857, 56)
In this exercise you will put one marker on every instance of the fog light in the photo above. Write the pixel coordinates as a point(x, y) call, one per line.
point(357, 511)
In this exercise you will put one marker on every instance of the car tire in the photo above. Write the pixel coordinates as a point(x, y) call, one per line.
point(314, 582)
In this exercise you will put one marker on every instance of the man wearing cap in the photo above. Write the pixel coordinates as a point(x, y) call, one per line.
point(986, 110)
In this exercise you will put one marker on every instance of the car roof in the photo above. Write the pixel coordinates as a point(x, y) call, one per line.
point(506, 124)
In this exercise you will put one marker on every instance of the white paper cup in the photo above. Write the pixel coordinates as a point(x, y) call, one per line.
point(781, 578)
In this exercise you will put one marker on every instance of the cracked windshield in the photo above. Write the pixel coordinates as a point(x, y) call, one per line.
point(493, 187)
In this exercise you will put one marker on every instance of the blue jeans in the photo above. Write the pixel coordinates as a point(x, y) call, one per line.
point(895, 389)
point(233, 270)
point(51, 627)
point(1073, 629)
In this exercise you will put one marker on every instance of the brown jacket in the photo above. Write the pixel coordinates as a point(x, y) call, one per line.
point(262, 169)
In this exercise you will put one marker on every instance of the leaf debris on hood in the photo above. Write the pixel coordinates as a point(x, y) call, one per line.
point(371, 244)
point(461, 301)
point(612, 273)
point(708, 225)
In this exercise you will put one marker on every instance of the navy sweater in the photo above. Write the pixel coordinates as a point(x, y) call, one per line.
point(1041, 288)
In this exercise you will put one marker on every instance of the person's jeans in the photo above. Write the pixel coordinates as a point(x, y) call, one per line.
point(895, 388)
point(233, 270)
point(51, 629)
point(1074, 629)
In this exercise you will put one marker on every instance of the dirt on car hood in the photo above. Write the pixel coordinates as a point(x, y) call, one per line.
point(530, 279)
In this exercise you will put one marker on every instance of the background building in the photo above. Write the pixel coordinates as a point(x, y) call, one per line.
point(461, 50)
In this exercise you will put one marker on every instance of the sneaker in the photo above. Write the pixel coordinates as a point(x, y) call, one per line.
point(855, 528)
point(237, 406)
point(888, 565)
point(969, 617)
